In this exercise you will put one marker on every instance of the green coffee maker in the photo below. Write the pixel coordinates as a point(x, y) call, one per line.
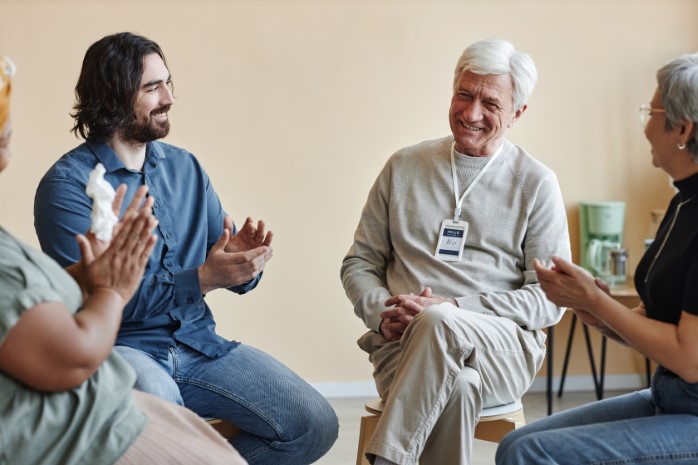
point(601, 238)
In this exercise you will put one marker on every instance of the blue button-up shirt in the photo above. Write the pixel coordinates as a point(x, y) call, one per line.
point(168, 305)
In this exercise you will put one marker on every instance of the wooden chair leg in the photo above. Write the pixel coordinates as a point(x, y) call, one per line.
point(493, 426)
point(366, 429)
point(495, 430)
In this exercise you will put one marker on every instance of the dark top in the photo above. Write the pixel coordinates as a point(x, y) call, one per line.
point(667, 275)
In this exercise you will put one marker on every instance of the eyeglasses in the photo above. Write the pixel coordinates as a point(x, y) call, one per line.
point(646, 113)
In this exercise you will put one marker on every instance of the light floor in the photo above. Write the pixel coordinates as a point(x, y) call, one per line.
point(350, 410)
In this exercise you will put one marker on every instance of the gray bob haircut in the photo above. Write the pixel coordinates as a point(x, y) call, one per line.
point(678, 89)
point(498, 56)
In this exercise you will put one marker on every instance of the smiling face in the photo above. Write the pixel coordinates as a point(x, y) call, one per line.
point(657, 134)
point(153, 101)
point(668, 145)
point(481, 112)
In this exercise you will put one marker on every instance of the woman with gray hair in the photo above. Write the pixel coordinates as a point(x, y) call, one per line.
point(657, 425)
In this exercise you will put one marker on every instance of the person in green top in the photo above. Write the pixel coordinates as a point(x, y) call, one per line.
point(67, 399)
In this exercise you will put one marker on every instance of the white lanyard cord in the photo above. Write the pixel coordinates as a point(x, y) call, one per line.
point(456, 187)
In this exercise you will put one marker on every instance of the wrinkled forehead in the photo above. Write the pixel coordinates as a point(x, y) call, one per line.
point(498, 86)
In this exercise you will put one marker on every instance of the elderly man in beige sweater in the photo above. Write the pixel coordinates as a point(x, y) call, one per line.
point(441, 268)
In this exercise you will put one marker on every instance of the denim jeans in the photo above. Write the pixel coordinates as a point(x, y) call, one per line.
point(627, 429)
point(283, 418)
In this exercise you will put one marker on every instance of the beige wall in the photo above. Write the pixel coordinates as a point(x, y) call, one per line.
point(294, 106)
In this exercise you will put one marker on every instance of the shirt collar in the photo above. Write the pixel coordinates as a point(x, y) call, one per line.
point(111, 162)
point(154, 152)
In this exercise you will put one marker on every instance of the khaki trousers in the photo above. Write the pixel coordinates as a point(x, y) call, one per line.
point(449, 364)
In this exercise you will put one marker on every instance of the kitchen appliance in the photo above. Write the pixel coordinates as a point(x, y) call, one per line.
point(618, 265)
point(601, 237)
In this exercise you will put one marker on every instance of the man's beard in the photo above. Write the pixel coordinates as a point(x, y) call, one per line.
point(145, 131)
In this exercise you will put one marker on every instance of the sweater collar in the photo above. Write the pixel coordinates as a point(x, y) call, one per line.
point(111, 161)
point(687, 187)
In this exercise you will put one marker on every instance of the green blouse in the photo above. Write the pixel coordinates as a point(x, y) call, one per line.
point(93, 423)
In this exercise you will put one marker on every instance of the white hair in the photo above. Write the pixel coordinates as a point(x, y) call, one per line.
point(498, 56)
point(678, 89)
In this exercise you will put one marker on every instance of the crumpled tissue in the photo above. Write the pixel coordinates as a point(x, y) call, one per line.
point(102, 194)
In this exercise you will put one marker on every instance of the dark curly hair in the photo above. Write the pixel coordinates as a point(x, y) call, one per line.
point(108, 84)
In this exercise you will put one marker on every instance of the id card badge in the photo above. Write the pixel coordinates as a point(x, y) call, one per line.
point(451, 240)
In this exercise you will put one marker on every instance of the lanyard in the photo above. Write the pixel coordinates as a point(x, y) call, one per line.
point(459, 203)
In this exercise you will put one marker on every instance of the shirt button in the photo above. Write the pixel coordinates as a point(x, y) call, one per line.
point(167, 236)
point(190, 300)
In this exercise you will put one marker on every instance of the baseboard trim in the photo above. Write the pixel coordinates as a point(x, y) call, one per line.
point(580, 383)
point(347, 389)
point(584, 383)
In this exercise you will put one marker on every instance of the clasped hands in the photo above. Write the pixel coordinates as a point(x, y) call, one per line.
point(404, 308)
point(568, 285)
point(236, 259)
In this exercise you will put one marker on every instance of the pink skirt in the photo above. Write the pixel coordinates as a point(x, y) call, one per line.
point(175, 435)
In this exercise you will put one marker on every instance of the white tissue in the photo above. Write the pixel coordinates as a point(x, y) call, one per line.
point(102, 194)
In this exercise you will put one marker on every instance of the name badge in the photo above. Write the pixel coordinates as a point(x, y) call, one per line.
point(451, 241)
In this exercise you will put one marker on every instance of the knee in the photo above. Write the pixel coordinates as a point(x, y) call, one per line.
point(321, 431)
point(151, 377)
point(326, 424)
point(468, 386)
point(503, 450)
point(516, 449)
point(435, 318)
point(163, 387)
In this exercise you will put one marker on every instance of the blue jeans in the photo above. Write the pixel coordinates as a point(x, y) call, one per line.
point(622, 430)
point(283, 418)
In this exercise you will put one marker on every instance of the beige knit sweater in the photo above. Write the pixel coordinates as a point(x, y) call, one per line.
point(515, 214)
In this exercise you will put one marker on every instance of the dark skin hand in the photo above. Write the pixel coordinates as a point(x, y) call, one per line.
point(51, 349)
point(97, 246)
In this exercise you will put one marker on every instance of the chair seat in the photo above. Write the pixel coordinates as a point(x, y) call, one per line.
point(225, 429)
point(375, 406)
point(494, 423)
point(500, 411)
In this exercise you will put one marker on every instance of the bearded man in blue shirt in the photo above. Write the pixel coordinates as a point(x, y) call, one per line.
point(167, 334)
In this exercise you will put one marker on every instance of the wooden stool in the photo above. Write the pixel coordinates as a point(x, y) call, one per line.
point(227, 430)
point(494, 424)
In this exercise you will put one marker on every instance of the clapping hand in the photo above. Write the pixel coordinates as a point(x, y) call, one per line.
point(96, 247)
point(120, 265)
point(568, 285)
point(99, 246)
point(235, 260)
point(248, 237)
